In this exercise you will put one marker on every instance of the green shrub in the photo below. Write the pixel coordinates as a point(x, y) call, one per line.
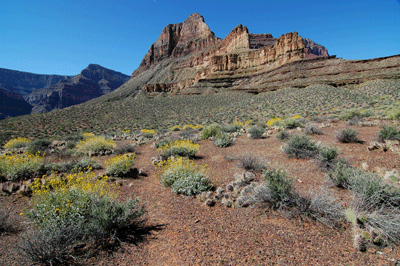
point(182, 148)
point(222, 140)
point(85, 164)
point(230, 128)
point(348, 135)
point(389, 133)
point(127, 148)
point(313, 130)
point(250, 162)
point(300, 147)
point(21, 166)
point(210, 131)
point(38, 145)
point(355, 113)
point(279, 184)
point(293, 122)
point(185, 177)
point(255, 132)
point(328, 153)
point(120, 165)
point(60, 167)
point(283, 135)
point(371, 188)
point(79, 208)
point(95, 145)
point(341, 175)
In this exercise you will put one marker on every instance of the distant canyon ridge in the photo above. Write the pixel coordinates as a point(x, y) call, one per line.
point(188, 58)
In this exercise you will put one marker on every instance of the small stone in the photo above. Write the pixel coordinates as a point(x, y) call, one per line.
point(229, 187)
point(210, 202)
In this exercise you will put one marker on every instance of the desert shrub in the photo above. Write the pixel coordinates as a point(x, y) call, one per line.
point(394, 114)
point(73, 137)
point(120, 165)
point(293, 122)
point(348, 135)
point(49, 245)
point(356, 113)
point(195, 127)
point(85, 164)
point(210, 131)
point(255, 132)
point(60, 167)
point(94, 145)
point(238, 125)
point(222, 140)
point(230, 128)
point(329, 153)
point(371, 188)
point(175, 128)
point(127, 148)
point(6, 223)
point(188, 133)
point(76, 208)
point(185, 177)
point(148, 133)
point(275, 122)
point(161, 143)
point(17, 143)
point(389, 133)
point(181, 148)
point(328, 157)
point(279, 185)
point(283, 135)
point(38, 145)
point(300, 147)
point(341, 175)
point(250, 162)
point(21, 166)
point(313, 130)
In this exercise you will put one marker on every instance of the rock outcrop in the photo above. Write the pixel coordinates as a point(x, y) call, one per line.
point(189, 52)
point(92, 82)
point(13, 104)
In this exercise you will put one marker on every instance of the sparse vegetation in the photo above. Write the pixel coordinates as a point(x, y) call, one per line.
point(300, 147)
point(348, 135)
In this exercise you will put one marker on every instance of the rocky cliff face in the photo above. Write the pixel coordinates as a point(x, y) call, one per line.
point(92, 82)
point(188, 52)
point(25, 83)
point(178, 40)
point(13, 104)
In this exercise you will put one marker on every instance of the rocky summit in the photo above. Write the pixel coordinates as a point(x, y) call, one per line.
point(188, 58)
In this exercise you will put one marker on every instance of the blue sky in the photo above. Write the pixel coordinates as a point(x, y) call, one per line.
point(63, 37)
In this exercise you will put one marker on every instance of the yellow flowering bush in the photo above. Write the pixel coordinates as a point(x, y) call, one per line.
point(181, 148)
point(274, 122)
point(192, 126)
point(238, 124)
point(248, 122)
point(120, 164)
point(94, 145)
point(21, 166)
point(148, 133)
point(185, 177)
point(88, 135)
point(175, 128)
point(293, 122)
point(17, 143)
point(83, 202)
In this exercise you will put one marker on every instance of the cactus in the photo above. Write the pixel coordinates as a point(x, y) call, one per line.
point(350, 216)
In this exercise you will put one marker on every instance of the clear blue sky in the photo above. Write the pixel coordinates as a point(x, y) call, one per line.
point(64, 36)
